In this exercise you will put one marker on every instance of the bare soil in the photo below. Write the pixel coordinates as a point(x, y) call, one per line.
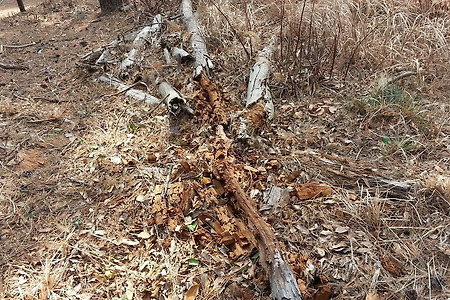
point(10, 7)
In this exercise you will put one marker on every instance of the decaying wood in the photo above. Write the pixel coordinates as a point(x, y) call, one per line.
point(282, 279)
point(175, 102)
point(258, 90)
point(389, 187)
point(130, 92)
point(216, 110)
point(167, 56)
point(272, 198)
point(202, 59)
point(12, 67)
point(101, 55)
point(143, 36)
point(258, 104)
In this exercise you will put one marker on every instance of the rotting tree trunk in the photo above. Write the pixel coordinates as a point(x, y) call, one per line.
point(283, 283)
point(130, 92)
point(200, 53)
point(21, 6)
point(108, 6)
point(259, 104)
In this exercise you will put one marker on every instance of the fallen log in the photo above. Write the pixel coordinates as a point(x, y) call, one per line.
point(173, 99)
point(101, 55)
point(258, 89)
point(129, 92)
point(143, 36)
point(258, 104)
point(201, 57)
point(282, 279)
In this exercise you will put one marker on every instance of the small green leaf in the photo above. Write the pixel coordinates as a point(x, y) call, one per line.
point(192, 226)
point(77, 223)
point(255, 256)
point(133, 126)
point(244, 270)
point(193, 262)
point(386, 140)
point(30, 212)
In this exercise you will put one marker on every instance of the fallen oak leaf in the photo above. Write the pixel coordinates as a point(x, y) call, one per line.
point(311, 190)
point(144, 235)
point(192, 293)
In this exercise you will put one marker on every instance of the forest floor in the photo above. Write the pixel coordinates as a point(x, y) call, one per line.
point(104, 197)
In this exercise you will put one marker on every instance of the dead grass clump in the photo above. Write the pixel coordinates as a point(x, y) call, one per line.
point(336, 39)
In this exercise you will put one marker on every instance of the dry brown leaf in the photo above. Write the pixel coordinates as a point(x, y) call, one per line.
point(372, 296)
point(303, 288)
point(30, 159)
point(323, 292)
point(206, 180)
point(312, 190)
point(192, 293)
point(391, 264)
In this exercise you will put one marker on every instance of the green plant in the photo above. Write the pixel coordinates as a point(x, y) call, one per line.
point(403, 145)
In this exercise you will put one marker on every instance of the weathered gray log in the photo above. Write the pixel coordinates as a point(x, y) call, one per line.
point(130, 92)
point(173, 99)
point(258, 89)
point(103, 58)
point(143, 36)
point(180, 55)
point(202, 59)
point(283, 283)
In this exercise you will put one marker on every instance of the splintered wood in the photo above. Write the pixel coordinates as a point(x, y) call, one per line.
point(282, 280)
point(212, 102)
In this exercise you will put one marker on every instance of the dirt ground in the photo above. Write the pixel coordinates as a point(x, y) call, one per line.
point(9, 7)
point(105, 197)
